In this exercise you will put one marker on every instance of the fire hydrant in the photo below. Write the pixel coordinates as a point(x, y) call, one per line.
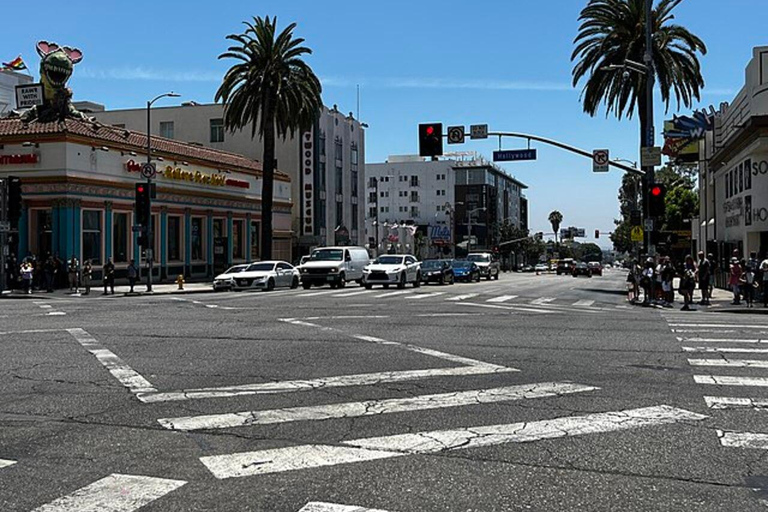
point(180, 281)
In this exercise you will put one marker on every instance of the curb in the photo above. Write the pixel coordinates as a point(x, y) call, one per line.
point(25, 296)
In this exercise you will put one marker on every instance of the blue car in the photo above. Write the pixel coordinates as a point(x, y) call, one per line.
point(465, 270)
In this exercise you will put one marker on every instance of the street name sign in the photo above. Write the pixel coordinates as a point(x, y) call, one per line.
point(600, 159)
point(650, 156)
point(29, 95)
point(637, 234)
point(455, 135)
point(478, 131)
point(514, 155)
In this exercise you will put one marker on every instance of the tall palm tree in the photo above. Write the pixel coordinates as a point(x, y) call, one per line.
point(612, 32)
point(272, 89)
point(555, 218)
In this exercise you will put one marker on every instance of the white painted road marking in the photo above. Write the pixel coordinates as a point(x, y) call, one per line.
point(392, 294)
point(464, 297)
point(425, 295)
point(56, 313)
point(508, 308)
point(114, 493)
point(753, 440)
point(374, 407)
point(733, 326)
point(317, 506)
point(720, 340)
point(312, 456)
point(731, 402)
point(543, 300)
point(503, 298)
point(4, 463)
point(317, 294)
point(738, 350)
point(352, 293)
point(724, 380)
point(127, 376)
point(732, 363)
point(584, 303)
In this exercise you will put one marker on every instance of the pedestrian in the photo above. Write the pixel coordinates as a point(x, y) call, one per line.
point(26, 276)
point(632, 290)
point(49, 272)
point(86, 276)
point(733, 281)
point(703, 276)
point(747, 282)
point(764, 278)
point(688, 283)
point(712, 270)
point(108, 276)
point(73, 269)
point(60, 276)
point(667, 278)
point(646, 281)
point(133, 274)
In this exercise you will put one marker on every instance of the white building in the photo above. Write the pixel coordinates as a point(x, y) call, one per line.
point(8, 82)
point(326, 165)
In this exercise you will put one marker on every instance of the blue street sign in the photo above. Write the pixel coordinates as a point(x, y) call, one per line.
point(511, 155)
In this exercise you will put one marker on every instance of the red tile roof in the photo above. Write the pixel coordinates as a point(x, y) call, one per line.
point(120, 138)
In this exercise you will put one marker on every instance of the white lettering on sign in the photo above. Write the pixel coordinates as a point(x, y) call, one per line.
point(308, 182)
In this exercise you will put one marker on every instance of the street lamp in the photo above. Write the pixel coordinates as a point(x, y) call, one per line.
point(469, 225)
point(150, 240)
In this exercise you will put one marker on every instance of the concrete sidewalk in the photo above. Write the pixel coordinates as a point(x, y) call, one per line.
point(120, 291)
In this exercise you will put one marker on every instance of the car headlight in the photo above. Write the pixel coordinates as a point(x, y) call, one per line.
point(366, 270)
point(303, 270)
point(333, 270)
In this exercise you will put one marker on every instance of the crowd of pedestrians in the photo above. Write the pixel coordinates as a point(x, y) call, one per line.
point(53, 273)
point(655, 280)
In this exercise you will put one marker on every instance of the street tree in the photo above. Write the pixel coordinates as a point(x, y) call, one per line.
point(272, 89)
point(555, 219)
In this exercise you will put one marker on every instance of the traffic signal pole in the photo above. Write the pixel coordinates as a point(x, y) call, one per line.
point(148, 227)
point(648, 137)
point(3, 232)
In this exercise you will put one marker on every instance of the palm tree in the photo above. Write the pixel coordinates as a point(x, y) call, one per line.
point(555, 218)
point(272, 89)
point(612, 32)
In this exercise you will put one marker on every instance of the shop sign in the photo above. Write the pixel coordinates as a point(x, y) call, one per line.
point(179, 174)
point(31, 158)
point(735, 208)
point(759, 168)
point(308, 182)
point(439, 233)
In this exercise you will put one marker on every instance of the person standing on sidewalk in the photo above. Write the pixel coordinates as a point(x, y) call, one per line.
point(133, 274)
point(733, 281)
point(688, 282)
point(747, 282)
point(704, 271)
point(108, 271)
point(86, 276)
point(764, 279)
point(26, 276)
point(74, 273)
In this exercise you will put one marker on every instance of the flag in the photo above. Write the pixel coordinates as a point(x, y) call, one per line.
point(16, 64)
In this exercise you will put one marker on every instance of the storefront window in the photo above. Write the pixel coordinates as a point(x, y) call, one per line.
point(218, 228)
point(198, 235)
point(237, 239)
point(174, 238)
point(42, 227)
point(92, 236)
point(120, 235)
point(254, 240)
point(748, 174)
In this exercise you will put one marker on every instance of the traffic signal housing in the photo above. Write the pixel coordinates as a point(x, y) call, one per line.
point(597, 234)
point(142, 203)
point(656, 197)
point(431, 139)
point(14, 199)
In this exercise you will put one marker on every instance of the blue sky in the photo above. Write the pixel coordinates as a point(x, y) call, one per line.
point(505, 63)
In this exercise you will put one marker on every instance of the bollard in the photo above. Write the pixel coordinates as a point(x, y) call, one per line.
point(180, 281)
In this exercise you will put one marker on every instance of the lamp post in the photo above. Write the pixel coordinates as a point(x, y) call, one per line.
point(469, 226)
point(150, 241)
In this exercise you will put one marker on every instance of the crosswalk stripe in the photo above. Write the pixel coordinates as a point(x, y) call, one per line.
point(312, 456)
point(392, 294)
point(584, 303)
point(753, 440)
point(317, 294)
point(424, 295)
point(4, 463)
point(464, 296)
point(720, 340)
point(508, 308)
point(727, 380)
point(732, 326)
point(317, 506)
point(732, 402)
point(503, 298)
point(352, 294)
point(731, 363)
point(116, 493)
point(727, 350)
point(374, 407)
point(543, 300)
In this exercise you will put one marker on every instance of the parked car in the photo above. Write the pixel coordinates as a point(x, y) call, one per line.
point(527, 268)
point(581, 269)
point(266, 275)
point(596, 267)
point(335, 266)
point(397, 269)
point(565, 266)
point(225, 281)
point(487, 263)
point(542, 267)
point(437, 271)
point(465, 270)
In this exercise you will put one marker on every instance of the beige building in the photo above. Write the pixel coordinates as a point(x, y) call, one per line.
point(326, 165)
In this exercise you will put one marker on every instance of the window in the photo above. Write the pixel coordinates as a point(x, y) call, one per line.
point(198, 234)
point(385, 209)
point(748, 174)
point(414, 211)
point(120, 234)
point(414, 181)
point(322, 143)
point(372, 197)
point(339, 213)
point(353, 181)
point(42, 225)
point(339, 178)
point(174, 238)
point(217, 130)
point(254, 240)
point(92, 236)
point(166, 129)
point(338, 147)
point(321, 175)
point(372, 212)
point(238, 245)
point(741, 177)
point(354, 216)
point(372, 182)
point(414, 197)
point(218, 228)
point(353, 156)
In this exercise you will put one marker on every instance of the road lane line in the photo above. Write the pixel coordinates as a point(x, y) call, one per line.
point(392, 294)
point(731, 363)
point(424, 295)
point(583, 303)
point(508, 308)
point(319, 506)
point(114, 493)
point(731, 402)
point(541, 301)
point(720, 340)
point(464, 296)
point(363, 379)
point(312, 456)
point(127, 376)
point(374, 407)
point(727, 350)
point(727, 380)
point(56, 313)
point(718, 331)
point(502, 298)
point(29, 331)
point(317, 294)
point(732, 326)
point(352, 293)
point(4, 463)
point(752, 440)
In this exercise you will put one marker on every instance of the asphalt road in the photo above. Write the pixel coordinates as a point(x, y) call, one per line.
point(527, 393)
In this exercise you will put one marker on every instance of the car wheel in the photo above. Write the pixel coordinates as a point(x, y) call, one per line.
point(386, 286)
point(342, 281)
point(359, 282)
point(401, 284)
point(306, 286)
point(368, 286)
point(334, 286)
point(270, 285)
point(489, 277)
point(442, 280)
point(295, 283)
point(417, 282)
point(477, 279)
point(496, 277)
point(452, 280)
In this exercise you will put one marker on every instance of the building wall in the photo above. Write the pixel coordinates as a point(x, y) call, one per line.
point(8, 82)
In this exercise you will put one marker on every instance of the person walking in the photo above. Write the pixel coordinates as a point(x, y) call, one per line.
point(688, 283)
point(49, 272)
point(26, 276)
point(733, 281)
point(86, 276)
point(764, 279)
point(73, 270)
point(747, 282)
point(133, 274)
point(703, 275)
point(108, 277)
point(667, 279)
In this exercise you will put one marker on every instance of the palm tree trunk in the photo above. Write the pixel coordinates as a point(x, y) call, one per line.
point(267, 189)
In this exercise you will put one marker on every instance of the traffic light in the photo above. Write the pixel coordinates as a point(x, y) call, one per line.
point(597, 234)
point(142, 204)
point(656, 197)
point(14, 199)
point(431, 139)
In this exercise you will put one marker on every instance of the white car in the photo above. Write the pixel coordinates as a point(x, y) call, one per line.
point(397, 269)
point(542, 267)
point(267, 275)
point(225, 281)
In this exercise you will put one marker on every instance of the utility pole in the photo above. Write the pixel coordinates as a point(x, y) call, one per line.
point(3, 233)
point(648, 136)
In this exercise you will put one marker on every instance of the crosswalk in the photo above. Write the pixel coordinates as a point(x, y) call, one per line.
point(729, 354)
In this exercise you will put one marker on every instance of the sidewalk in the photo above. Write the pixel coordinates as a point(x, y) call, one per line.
point(720, 302)
point(120, 291)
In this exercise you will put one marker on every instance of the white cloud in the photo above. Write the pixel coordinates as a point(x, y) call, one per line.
point(140, 73)
point(446, 83)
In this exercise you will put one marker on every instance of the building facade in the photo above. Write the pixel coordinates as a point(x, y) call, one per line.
point(326, 164)
point(78, 188)
point(8, 82)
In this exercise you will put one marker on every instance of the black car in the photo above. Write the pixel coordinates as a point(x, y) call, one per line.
point(437, 271)
point(581, 269)
point(464, 270)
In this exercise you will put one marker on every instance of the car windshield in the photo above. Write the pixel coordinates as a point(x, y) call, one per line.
point(432, 264)
point(462, 264)
point(236, 268)
point(389, 260)
point(260, 267)
point(327, 255)
point(482, 258)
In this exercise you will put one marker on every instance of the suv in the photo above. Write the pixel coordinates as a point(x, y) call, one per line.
point(565, 266)
point(487, 263)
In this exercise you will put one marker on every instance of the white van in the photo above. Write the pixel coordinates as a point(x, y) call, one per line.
point(335, 266)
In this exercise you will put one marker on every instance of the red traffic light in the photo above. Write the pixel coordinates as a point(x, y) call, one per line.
point(656, 191)
point(140, 189)
point(430, 130)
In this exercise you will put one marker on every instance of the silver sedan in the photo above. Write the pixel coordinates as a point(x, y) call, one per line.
point(266, 275)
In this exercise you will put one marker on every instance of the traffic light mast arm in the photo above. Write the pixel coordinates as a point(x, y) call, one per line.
point(566, 147)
